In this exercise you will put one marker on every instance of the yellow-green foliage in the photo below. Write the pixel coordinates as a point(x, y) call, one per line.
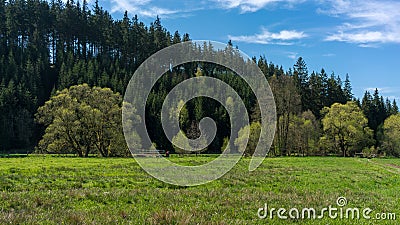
point(83, 120)
point(391, 129)
point(346, 128)
point(250, 132)
point(181, 142)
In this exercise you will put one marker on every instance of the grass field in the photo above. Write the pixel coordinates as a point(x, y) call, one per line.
point(55, 190)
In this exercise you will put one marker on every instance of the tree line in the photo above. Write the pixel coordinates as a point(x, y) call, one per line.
point(319, 115)
point(47, 48)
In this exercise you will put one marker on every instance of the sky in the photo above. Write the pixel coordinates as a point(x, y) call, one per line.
point(358, 37)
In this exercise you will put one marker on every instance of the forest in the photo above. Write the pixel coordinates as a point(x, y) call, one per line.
point(48, 48)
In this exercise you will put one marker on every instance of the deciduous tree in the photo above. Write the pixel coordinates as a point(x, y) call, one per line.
point(252, 132)
point(83, 120)
point(391, 132)
point(346, 128)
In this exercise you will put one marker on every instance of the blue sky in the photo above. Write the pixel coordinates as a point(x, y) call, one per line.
point(358, 37)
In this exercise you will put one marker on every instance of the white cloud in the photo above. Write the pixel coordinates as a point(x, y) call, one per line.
point(154, 11)
point(283, 37)
point(370, 22)
point(367, 23)
point(387, 92)
point(292, 55)
point(253, 5)
point(381, 90)
point(141, 8)
point(392, 97)
point(80, 1)
point(364, 37)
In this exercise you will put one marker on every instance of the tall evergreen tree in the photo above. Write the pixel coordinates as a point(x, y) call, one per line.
point(395, 108)
point(3, 28)
point(301, 78)
point(347, 89)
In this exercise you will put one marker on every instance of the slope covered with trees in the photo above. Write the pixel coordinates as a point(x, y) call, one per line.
point(46, 47)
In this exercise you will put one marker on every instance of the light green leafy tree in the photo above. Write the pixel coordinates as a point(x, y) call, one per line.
point(83, 120)
point(225, 144)
point(254, 129)
point(180, 112)
point(303, 134)
point(181, 143)
point(346, 128)
point(391, 134)
point(131, 120)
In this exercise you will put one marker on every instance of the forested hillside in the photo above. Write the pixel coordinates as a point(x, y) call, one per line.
point(49, 46)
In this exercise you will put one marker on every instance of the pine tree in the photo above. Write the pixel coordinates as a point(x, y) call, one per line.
point(263, 65)
point(177, 38)
point(3, 28)
point(347, 89)
point(388, 107)
point(185, 37)
point(301, 71)
point(395, 108)
point(301, 78)
point(317, 93)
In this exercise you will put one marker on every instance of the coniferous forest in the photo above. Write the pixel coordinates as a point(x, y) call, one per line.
point(46, 47)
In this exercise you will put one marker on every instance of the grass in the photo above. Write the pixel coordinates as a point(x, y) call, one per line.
point(56, 190)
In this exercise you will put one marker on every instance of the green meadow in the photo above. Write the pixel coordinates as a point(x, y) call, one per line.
point(57, 190)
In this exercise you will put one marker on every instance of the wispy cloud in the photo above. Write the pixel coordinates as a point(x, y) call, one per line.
point(283, 37)
point(142, 8)
point(329, 55)
point(392, 97)
point(387, 92)
point(292, 55)
point(369, 22)
point(382, 90)
point(246, 6)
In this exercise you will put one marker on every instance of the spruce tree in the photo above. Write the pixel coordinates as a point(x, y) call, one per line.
point(347, 89)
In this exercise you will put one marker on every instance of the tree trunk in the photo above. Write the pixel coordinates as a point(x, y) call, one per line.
point(79, 153)
point(87, 151)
